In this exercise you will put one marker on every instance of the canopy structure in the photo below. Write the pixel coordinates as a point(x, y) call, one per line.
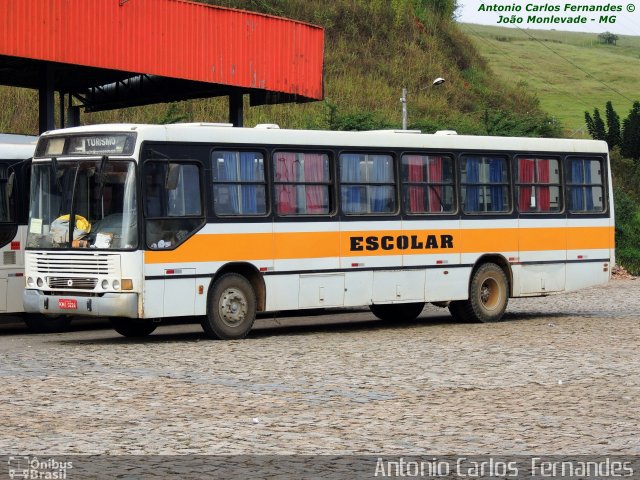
point(106, 54)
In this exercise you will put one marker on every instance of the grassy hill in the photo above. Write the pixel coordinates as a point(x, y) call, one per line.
point(570, 72)
point(373, 48)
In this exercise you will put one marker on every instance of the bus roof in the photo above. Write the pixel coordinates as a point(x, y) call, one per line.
point(16, 147)
point(405, 139)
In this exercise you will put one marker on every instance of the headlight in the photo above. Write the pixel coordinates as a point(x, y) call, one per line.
point(116, 285)
point(40, 282)
point(30, 282)
point(105, 284)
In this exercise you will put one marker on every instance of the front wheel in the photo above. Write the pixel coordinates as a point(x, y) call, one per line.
point(232, 308)
point(399, 312)
point(44, 324)
point(488, 296)
point(133, 328)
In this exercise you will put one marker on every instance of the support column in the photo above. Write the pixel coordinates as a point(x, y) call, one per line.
point(61, 108)
point(236, 109)
point(46, 100)
point(73, 113)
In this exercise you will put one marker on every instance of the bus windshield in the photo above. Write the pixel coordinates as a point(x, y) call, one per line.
point(99, 194)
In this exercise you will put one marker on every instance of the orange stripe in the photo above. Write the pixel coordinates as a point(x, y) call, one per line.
point(584, 238)
point(536, 239)
point(261, 246)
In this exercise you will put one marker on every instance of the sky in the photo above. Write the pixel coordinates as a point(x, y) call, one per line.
point(627, 20)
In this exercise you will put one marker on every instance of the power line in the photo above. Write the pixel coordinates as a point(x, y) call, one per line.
point(573, 64)
point(525, 67)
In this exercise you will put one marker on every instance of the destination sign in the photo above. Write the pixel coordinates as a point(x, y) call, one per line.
point(100, 144)
point(96, 144)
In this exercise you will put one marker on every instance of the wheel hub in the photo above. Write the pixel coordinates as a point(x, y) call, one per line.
point(490, 293)
point(233, 307)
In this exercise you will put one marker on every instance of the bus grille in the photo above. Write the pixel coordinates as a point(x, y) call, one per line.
point(84, 265)
point(72, 282)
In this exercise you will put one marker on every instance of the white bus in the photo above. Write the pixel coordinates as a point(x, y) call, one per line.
point(219, 222)
point(15, 168)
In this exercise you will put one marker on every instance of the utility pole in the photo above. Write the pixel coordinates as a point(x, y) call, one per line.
point(403, 99)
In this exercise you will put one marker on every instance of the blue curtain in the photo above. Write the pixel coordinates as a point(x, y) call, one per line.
point(472, 197)
point(228, 172)
point(577, 203)
point(497, 192)
point(588, 190)
point(380, 173)
point(248, 173)
point(352, 195)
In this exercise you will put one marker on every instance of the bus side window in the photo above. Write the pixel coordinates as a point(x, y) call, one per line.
point(538, 185)
point(239, 183)
point(484, 184)
point(173, 205)
point(368, 184)
point(428, 184)
point(302, 183)
point(585, 188)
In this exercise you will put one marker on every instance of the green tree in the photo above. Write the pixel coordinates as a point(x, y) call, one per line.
point(608, 38)
point(595, 125)
point(630, 144)
point(613, 126)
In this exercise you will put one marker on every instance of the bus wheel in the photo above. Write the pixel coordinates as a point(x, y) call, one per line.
point(488, 296)
point(232, 308)
point(42, 324)
point(398, 312)
point(132, 327)
point(458, 309)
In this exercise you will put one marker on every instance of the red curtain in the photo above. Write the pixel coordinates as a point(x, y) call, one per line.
point(415, 174)
point(314, 172)
point(285, 172)
point(544, 194)
point(435, 191)
point(526, 169)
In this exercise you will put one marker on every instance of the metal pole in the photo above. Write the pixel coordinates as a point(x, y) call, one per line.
point(403, 100)
point(46, 100)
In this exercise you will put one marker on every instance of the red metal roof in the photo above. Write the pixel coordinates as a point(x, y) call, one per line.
point(168, 38)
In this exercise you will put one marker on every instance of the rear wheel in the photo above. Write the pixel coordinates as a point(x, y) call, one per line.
point(43, 324)
point(132, 327)
point(398, 312)
point(232, 308)
point(488, 296)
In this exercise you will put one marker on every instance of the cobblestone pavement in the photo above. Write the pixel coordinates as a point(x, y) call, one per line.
point(560, 376)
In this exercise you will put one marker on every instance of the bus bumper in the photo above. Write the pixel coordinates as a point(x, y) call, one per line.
point(108, 305)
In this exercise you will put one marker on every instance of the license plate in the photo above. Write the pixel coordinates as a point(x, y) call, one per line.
point(67, 304)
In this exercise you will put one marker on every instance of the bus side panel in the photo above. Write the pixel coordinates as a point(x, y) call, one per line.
point(434, 244)
point(542, 256)
point(153, 296)
point(282, 292)
point(445, 284)
point(12, 273)
point(321, 290)
point(357, 288)
point(588, 252)
point(487, 237)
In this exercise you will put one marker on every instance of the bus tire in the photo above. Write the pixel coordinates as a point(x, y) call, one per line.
point(43, 324)
point(231, 308)
point(488, 296)
point(397, 312)
point(132, 327)
point(457, 308)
